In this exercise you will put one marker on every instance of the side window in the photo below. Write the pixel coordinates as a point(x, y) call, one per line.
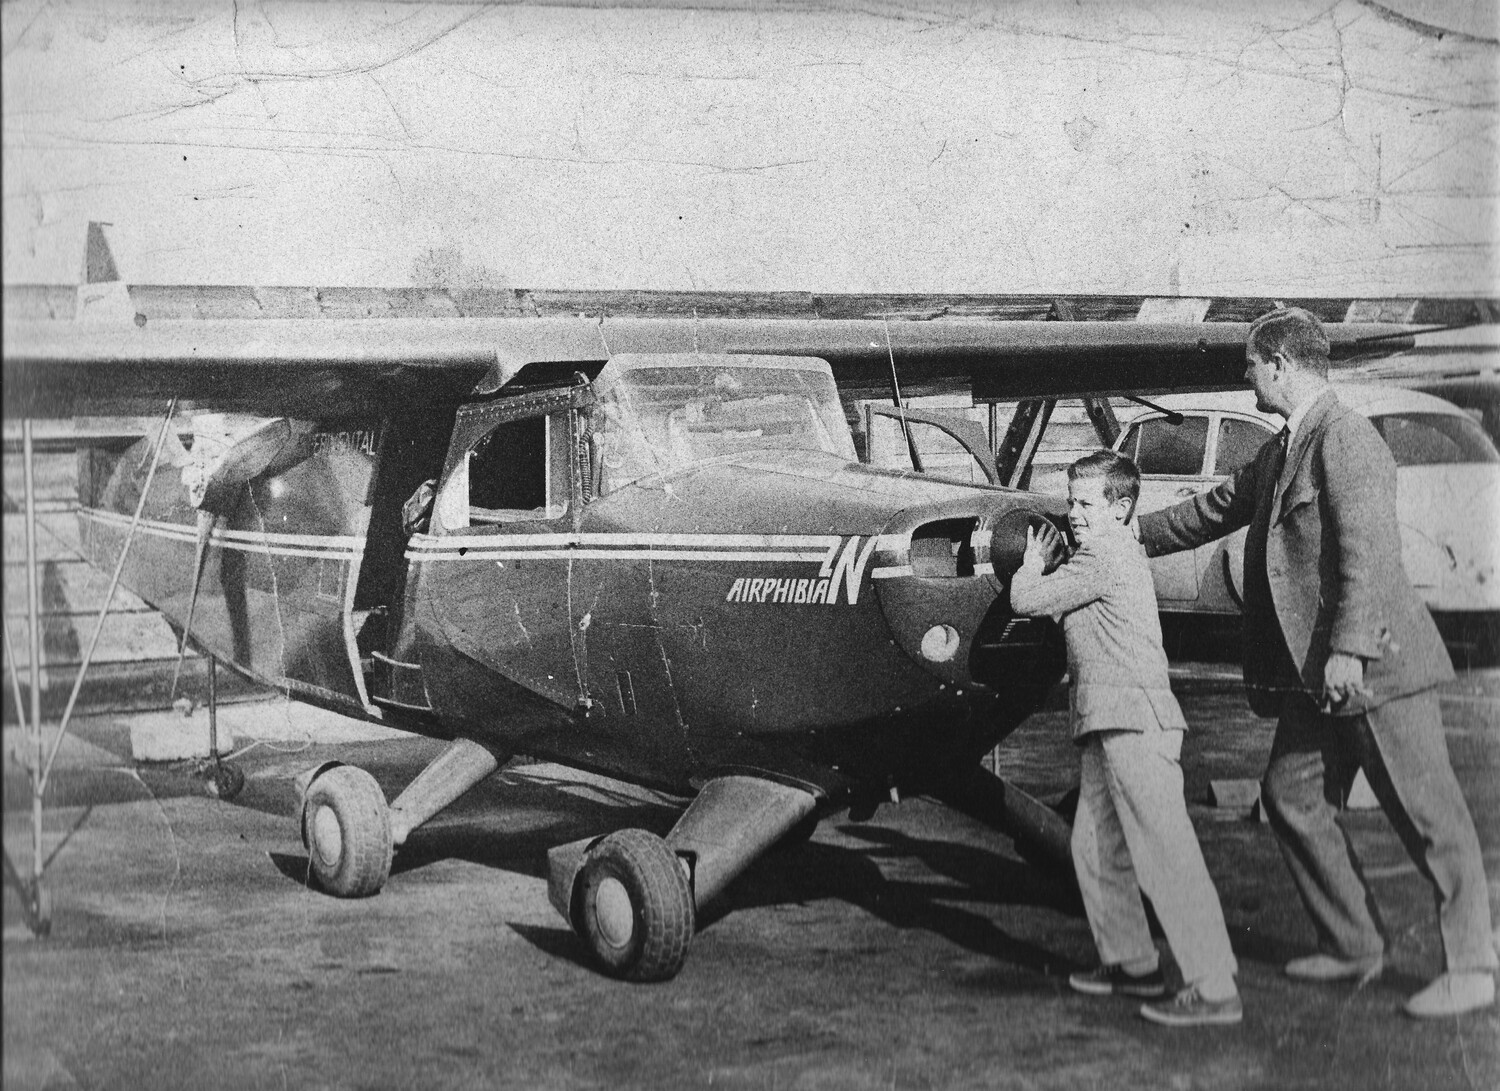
point(1239, 442)
point(1159, 447)
point(1426, 439)
point(941, 454)
point(519, 471)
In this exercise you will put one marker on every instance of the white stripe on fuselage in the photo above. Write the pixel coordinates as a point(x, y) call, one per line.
point(342, 547)
point(820, 549)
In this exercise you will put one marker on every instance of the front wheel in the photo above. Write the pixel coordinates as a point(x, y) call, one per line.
point(634, 908)
point(347, 829)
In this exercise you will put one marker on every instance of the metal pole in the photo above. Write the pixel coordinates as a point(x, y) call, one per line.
point(114, 582)
point(213, 707)
point(911, 444)
point(34, 650)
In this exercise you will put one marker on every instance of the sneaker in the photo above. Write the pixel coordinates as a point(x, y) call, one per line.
point(1109, 980)
point(1453, 994)
point(1332, 968)
point(1189, 1009)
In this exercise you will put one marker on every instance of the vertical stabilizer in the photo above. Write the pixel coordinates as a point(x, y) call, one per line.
point(98, 262)
point(102, 296)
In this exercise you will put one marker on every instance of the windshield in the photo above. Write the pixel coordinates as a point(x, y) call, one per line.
point(653, 420)
point(1426, 439)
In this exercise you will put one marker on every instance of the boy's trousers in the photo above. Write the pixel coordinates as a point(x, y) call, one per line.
point(1132, 834)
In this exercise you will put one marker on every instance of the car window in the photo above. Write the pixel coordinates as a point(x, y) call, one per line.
point(1426, 439)
point(1160, 447)
point(1239, 442)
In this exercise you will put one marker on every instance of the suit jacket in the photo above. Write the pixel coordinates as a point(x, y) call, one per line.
point(1115, 658)
point(1323, 566)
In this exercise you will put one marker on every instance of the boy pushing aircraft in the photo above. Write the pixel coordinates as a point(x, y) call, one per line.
point(1132, 831)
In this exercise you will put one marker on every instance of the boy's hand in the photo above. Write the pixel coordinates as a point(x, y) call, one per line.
point(1044, 548)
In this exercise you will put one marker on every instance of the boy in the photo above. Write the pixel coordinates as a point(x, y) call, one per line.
point(1132, 831)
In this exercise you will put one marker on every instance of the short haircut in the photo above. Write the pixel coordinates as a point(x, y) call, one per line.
point(1296, 334)
point(1121, 477)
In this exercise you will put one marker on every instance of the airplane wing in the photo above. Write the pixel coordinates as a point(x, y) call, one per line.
point(298, 366)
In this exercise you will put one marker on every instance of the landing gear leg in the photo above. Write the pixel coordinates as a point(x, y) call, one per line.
point(1041, 835)
point(462, 764)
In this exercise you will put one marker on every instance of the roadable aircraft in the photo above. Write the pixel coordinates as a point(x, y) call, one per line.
point(642, 547)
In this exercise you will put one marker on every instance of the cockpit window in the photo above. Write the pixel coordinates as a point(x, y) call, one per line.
point(1427, 439)
point(653, 420)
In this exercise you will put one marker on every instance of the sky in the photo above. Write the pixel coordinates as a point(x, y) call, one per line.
point(1297, 148)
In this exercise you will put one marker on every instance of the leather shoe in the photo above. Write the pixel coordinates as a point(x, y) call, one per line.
point(1331, 968)
point(1453, 994)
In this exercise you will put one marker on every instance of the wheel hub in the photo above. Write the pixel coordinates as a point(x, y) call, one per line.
point(614, 913)
point(327, 835)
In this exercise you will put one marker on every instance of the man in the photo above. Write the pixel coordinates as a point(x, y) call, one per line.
point(1341, 649)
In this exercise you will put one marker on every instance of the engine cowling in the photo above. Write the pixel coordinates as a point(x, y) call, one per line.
point(943, 577)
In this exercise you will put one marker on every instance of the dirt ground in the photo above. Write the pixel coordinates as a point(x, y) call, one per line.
point(912, 951)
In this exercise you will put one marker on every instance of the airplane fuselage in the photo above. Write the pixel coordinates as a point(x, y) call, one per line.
point(787, 612)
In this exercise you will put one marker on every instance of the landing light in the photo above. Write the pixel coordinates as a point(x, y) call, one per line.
point(940, 643)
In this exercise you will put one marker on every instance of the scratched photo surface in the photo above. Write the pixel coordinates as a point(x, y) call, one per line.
point(911, 162)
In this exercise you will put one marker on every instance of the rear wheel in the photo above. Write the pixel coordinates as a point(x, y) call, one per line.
point(347, 828)
point(225, 782)
point(634, 908)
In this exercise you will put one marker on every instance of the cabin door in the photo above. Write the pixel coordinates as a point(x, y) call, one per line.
point(492, 574)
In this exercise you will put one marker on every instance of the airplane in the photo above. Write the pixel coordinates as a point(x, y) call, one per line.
point(641, 547)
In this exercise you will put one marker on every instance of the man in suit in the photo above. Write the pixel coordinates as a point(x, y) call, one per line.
point(1341, 649)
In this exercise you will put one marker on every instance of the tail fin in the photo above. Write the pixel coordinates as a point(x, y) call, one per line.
point(102, 296)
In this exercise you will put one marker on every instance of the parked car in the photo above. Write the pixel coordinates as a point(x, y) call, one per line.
point(1447, 497)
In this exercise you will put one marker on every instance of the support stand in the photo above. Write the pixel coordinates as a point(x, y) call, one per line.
point(224, 781)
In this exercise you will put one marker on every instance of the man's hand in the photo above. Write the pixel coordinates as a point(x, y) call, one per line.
point(1343, 678)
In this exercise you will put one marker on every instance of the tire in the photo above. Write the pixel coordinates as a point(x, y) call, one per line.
point(347, 828)
point(634, 908)
point(226, 782)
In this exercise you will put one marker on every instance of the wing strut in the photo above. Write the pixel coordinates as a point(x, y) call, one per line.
point(1022, 439)
point(36, 906)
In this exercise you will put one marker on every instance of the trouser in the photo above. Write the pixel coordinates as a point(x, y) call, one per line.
point(1132, 833)
point(1401, 747)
